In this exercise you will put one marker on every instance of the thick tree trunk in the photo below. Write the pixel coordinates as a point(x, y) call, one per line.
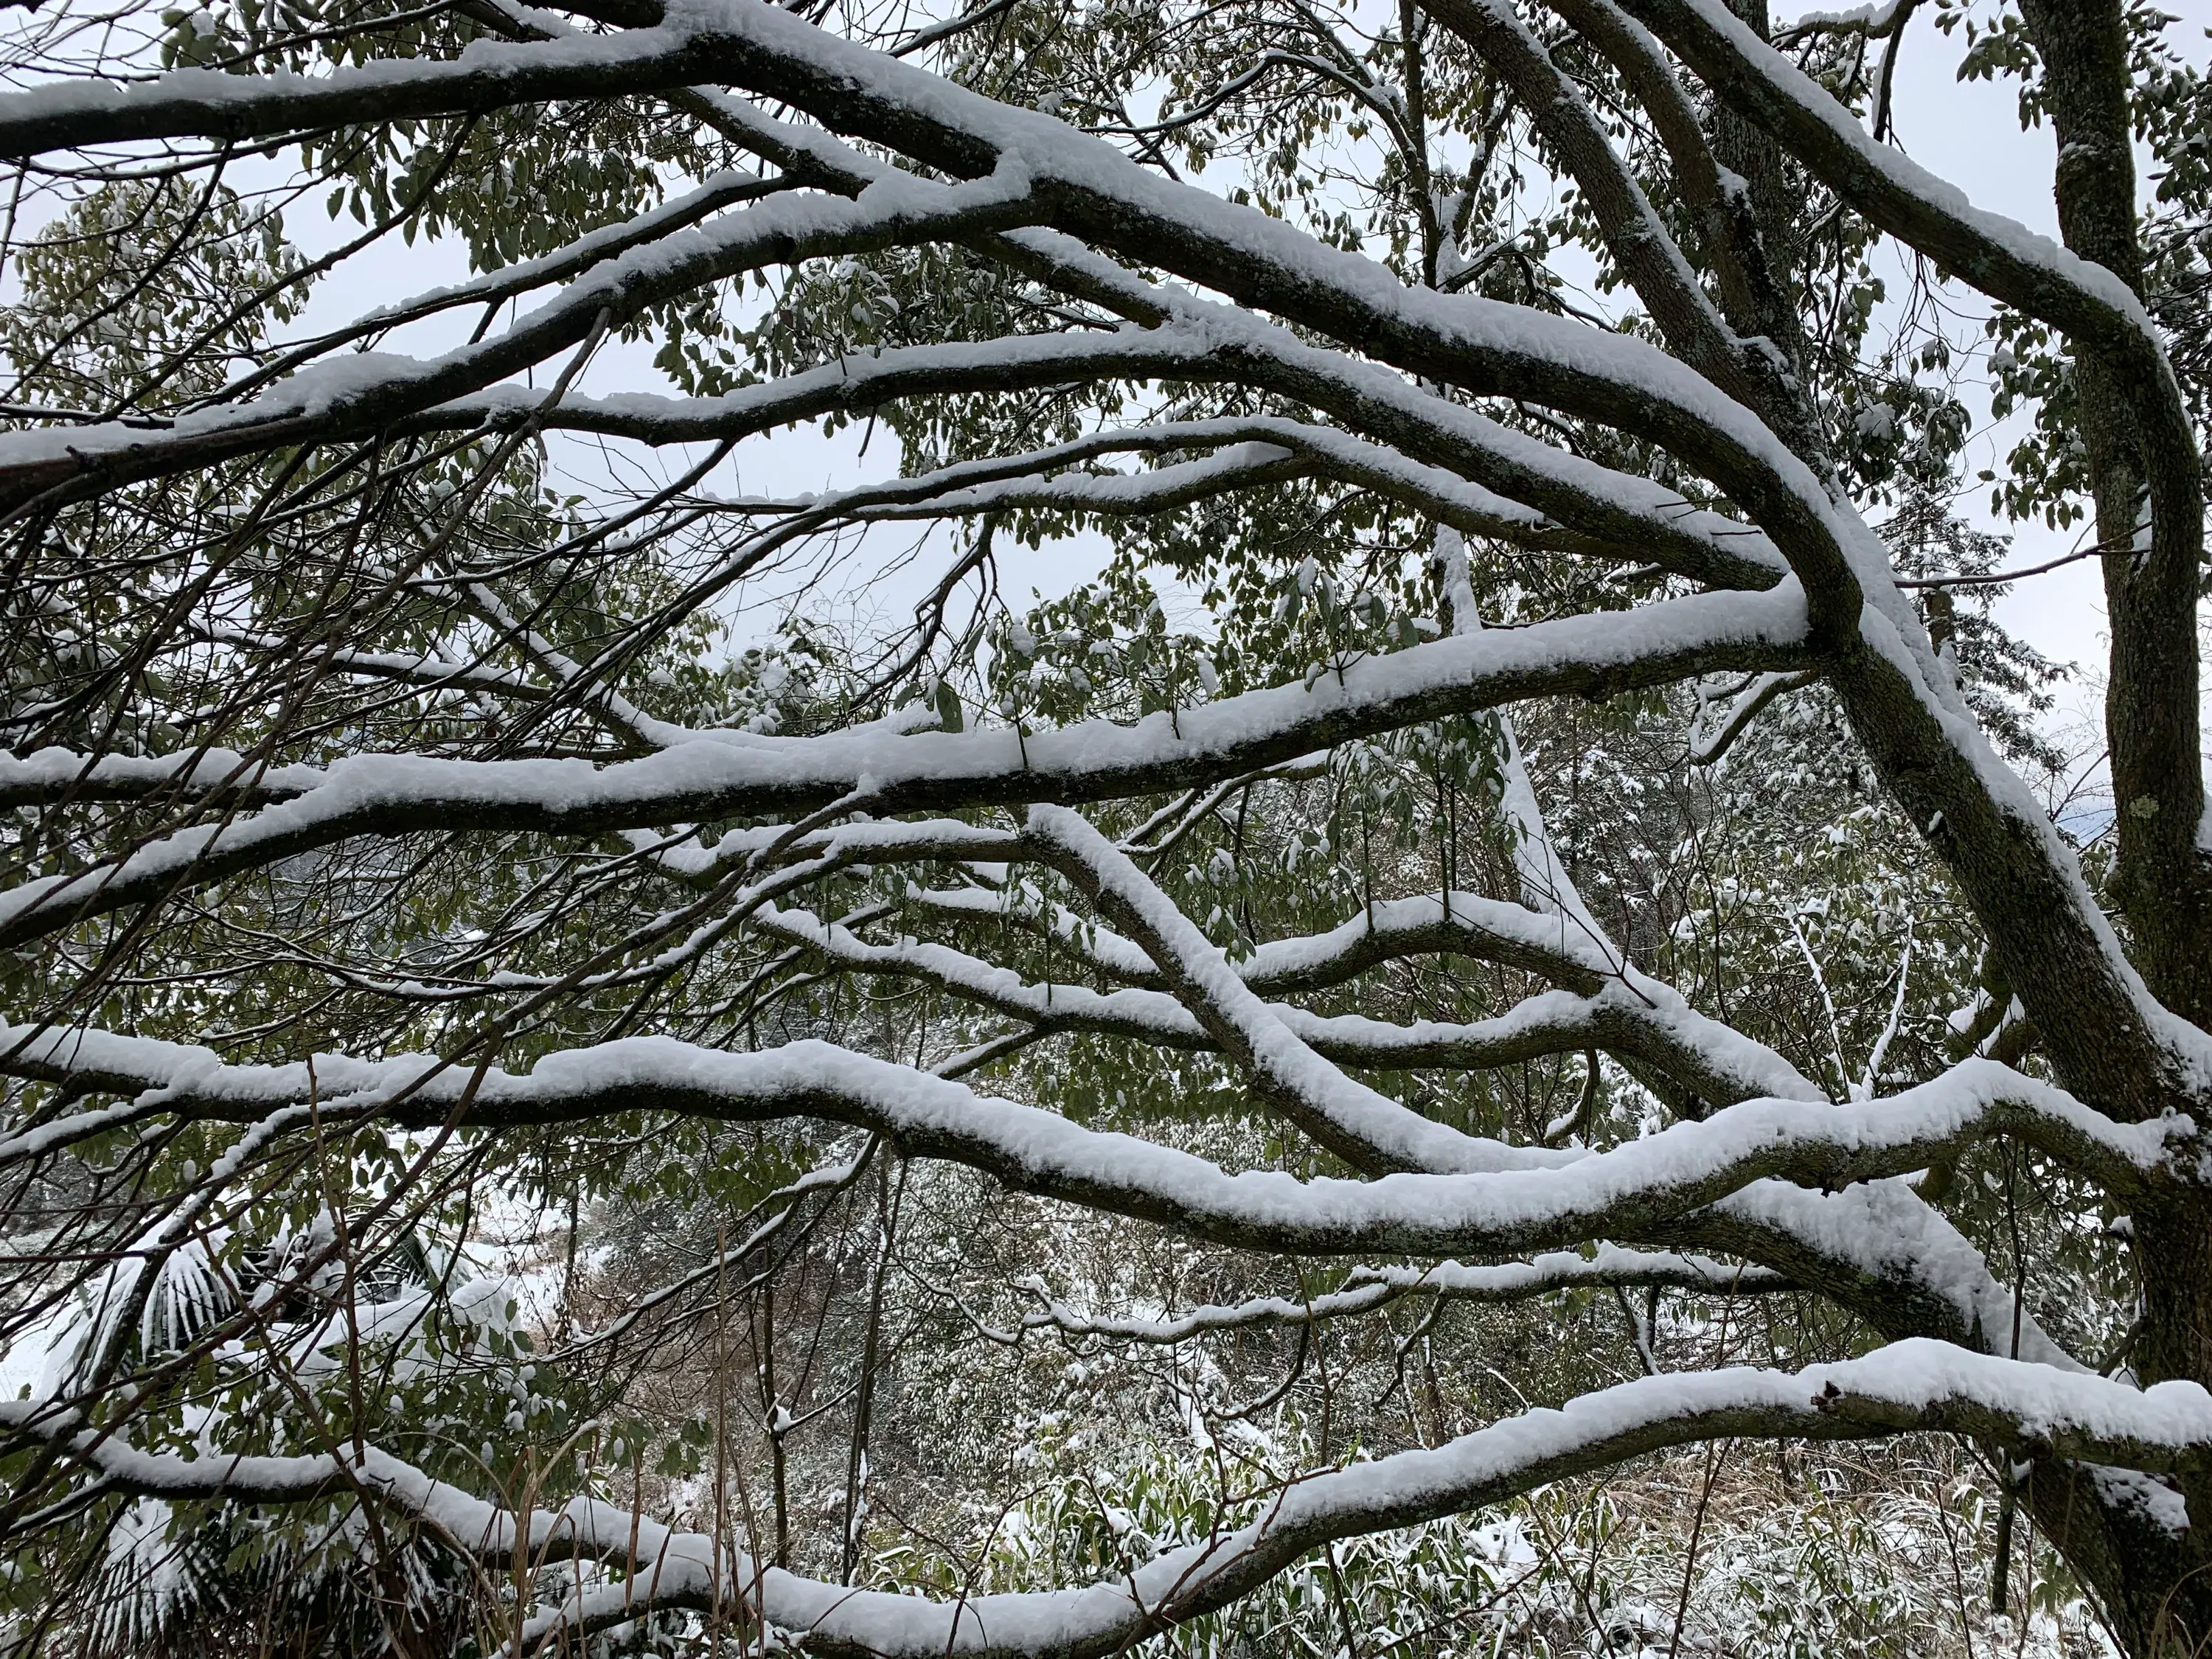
point(2117, 1534)
point(2144, 1548)
point(2155, 1582)
point(2163, 885)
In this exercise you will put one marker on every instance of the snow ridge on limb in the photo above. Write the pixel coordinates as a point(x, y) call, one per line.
point(1266, 265)
point(1368, 1129)
point(1366, 1289)
point(1723, 1057)
point(1872, 21)
point(54, 776)
point(1639, 1017)
point(364, 391)
point(1458, 923)
point(487, 75)
point(1927, 745)
point(1599, 510)
point(1999, 844)
point(399, 795)
point(1751, 299)
point(717, 190)
point(1734, 1066)
point(1096, 193)
point(1697, 542)
point(1516, 1198)
point(1881, 1251)
point(1905, 1386)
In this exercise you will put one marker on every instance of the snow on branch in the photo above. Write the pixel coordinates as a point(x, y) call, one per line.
point(1264, 264)
point(1366, 1128)
point(56, 776)
point(684, 48)
point(743, 774)
point(1505, 1201)
point(1086, 188)
point(1753, 301)
point(2000, 256)
point(718, 190)
point(1903, 1388)
point(1615, 1019)
point(1427, 451)
point(1368, 1289)
point(1873, 22)
point(365, 392)
point(1699, 544)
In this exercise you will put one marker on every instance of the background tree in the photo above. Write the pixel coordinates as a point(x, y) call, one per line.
point(570, 1090)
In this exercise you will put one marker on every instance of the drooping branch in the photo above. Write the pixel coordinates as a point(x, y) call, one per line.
point(1904, 1388)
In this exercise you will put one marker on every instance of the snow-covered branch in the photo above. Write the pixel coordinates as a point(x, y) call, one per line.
point(1365, 1290)
point(56, 776)
point(1906, 1387)
point(684, 48)
point(1702, 1057)
point(1501, 1199)
point(739, 774)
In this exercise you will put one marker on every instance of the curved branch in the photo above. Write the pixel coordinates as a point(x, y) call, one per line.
point(718, 190)
point(1904, 1388)
point(741, 775)
point(2000, 256)
point(1704, 1058)
point(1367, 1129)
point(1508, 1200)
point(1707, 749)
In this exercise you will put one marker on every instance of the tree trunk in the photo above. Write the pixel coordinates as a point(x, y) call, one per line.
point(2156, 1584)
point(2163, 887)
